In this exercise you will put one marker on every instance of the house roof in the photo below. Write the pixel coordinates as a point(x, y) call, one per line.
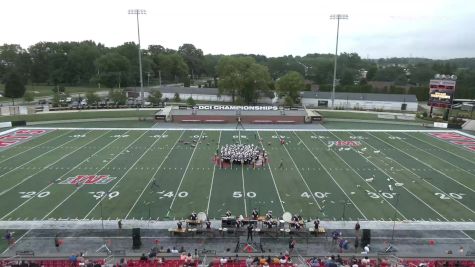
point(181, 90)
point(361, 96)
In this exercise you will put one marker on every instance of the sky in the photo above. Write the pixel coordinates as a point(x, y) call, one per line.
point(438, 29)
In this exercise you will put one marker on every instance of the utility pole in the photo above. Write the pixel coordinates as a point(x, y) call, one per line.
point(337, 17)
point(139, 12)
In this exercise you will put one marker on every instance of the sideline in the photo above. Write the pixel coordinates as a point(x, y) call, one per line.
point(152, 224)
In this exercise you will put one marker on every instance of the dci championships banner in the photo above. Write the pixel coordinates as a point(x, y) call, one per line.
point(222, 107)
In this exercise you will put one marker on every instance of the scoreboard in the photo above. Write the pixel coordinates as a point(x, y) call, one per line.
point(441, 93)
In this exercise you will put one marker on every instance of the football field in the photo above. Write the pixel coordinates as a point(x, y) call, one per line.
point(89, 174)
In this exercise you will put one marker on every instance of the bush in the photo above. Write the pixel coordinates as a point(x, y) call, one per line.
point(191, 102)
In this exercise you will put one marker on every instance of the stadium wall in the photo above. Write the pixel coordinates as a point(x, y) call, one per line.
point(244, 119)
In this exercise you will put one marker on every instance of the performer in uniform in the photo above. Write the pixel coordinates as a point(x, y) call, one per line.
point(255, 214)
point(228, 213)
point(193, 216)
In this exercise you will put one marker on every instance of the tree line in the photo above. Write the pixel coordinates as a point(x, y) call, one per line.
point(245, 77)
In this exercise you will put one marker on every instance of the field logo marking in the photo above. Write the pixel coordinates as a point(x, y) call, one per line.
point(344, 143)
point(88, 179)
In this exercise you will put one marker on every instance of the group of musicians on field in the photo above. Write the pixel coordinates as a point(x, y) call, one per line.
point(296, 222)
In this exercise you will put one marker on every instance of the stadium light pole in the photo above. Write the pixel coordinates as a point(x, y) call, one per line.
point(394, 216)
point(138, 12)
point(338, 17)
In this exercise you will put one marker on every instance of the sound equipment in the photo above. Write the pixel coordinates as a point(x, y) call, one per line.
point(136, 239)
point(366, 238)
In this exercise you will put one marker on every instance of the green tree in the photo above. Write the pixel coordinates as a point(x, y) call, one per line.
point(14, 87)
point(193, 57)
point(117, 97)
point(291, 84)
point(176, 98)
point(113, 70)
point(155, 98)
point(242, 77)
point(92, 98)
point(347, 78)
point(28, 96)
point(191, 102)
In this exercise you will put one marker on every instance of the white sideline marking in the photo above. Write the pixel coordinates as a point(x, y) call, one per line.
point(184, 173)
point(261, 130)
point(79, 187)
point(331, 176)
point(212, 177)
point(153, 176)
point(126, 172)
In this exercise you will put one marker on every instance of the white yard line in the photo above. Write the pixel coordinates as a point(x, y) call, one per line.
point(184, 174)
point(362, 178)
point(301, 176)
point(212, 177)
point(39, 156)
point(434, 155)
point(247, 130)
point(47, 166)
point(419, 176)
point(243, 186)
point(409, 191)
point(272, 175)
point(50, 184)
point(446, 142)
point(125, 174)
point(79, 187)
point(48, 140)
point(153, 176)
point(331, 176)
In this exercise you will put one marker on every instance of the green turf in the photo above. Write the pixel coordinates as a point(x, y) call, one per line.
point(435, 178)
point(102, 124)
point(54, 116)
point(471, 234)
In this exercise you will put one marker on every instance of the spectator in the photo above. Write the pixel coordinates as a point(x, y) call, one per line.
point(366, 249)
point(182, 249)
point(73, 260)
point(365, 262)
point(9, 238)
point(123, 263)
point(143, 257)
point(174, 250)
point(283, 260)
point(57, 242)
point(248, 261)
point(169, 250)
point(331, 262)
point(183, 256)
point(223, 261)
point(119, 224)
point(339, 259)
